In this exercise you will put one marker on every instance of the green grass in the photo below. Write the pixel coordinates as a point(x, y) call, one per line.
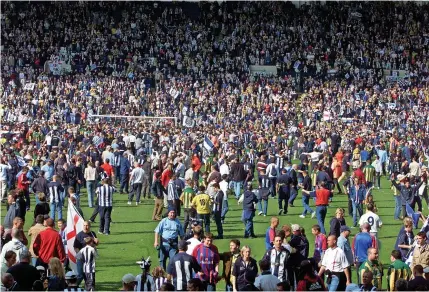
point(132, 233)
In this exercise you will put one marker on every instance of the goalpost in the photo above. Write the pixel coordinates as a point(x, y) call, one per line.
point(134, 117)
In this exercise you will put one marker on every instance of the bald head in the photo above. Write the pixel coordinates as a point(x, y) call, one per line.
point(7, 280)
point(366, 227)
point(50, 222)
point(332, 241)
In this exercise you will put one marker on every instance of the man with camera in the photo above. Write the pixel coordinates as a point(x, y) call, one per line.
point(168, 231)
point(334, 265)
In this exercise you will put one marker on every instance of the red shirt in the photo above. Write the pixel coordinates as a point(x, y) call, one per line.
point(22, 179)
point(48, 244)
point(108, 169)
point(165, 177)
point(322, 197)
point(360, 175)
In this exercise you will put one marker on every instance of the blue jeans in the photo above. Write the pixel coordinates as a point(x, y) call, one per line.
point(293, 195)
point(305, 204)
point(236, 185)
point(34, 262)
point(320, 215)
point(334, 283)
point(263, 206)
point(211, 287)
point(357, 208)
point(247, 218)
point(398, 205)
point(79, 267)
point(228, 287)
point(166, 251)
point(37, 199)
point(90, 188)
point(57, 207)
point(225, 209)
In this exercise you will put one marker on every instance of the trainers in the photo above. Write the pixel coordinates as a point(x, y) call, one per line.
point(260, 213)
point(280, 212)
point(99, 232)
point(129, 202)
point(265, 215)
point(301, 216)
point(137, 203)
point(313, 215)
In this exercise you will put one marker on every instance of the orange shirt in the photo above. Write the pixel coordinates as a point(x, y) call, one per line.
point(165, 177)
point(339, 156)
point(337, 169)
point(322, 197)
point(108, 169)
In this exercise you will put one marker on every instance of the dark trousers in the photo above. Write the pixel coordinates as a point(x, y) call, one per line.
point(124, 182)
point(204, 219)
point(137, 191)
point(186, 220)
point(117, 175)
point(105, 213)
point(96, 211)
point(89, 281)
point(218, 220)
point(283, 196)
point(146, 187)
point(417, 200)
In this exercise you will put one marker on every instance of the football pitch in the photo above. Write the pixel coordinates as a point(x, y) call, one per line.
point(132, 233)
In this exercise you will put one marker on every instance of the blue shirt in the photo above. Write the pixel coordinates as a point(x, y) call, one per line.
point(49, 171)
point(363, 241)
point(170, 229)
point(344, 244)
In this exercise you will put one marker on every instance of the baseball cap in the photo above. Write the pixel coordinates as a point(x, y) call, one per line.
point(171, 208)
point(295, 227)
point(344, 228)
point(183, 245)
point(70, 275)
point(128, 278)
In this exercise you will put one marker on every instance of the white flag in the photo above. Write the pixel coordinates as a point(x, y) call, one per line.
point(74, 226)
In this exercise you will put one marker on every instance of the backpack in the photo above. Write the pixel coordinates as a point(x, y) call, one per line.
point(273, 171)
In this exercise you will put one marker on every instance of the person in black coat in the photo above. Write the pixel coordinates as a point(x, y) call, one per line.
point(24, 273)
point(245, 270)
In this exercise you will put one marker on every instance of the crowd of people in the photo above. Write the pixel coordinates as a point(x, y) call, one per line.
point(345, 107)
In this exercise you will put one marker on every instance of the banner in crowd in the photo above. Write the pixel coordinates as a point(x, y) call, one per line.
point(188, 122)
point(74, 226)
point(263, 70)
point(29, 86)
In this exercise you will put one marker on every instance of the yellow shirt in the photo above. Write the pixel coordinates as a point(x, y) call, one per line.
point(202, 203)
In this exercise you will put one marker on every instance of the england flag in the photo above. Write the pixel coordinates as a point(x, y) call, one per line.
point(74, 226)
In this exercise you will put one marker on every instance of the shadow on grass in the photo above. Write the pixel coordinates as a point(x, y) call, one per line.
point(109, 286)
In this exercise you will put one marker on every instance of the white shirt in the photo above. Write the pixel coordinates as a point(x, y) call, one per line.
point(224, 169)
point(372, 219)
point(3, 171)
point(14, 245)
point(224, 188)
point(335, 260)
point(193, 242)
point(269, 168)
point(137, 175)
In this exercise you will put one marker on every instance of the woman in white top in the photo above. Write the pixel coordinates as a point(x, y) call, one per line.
point(90, 177)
